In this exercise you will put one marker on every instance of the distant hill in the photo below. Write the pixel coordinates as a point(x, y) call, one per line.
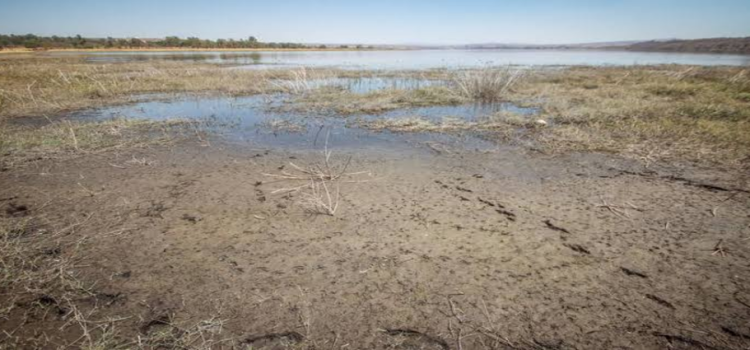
point(712, 45)
point(521, 46)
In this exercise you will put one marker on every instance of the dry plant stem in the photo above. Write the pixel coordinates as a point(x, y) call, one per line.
point(321, 192)
point(719, 249)
point(73, 135)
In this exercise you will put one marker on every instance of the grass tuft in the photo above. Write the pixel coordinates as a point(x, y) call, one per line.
point(487, 85)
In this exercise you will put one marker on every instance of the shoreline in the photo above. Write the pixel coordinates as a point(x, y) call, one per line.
point(336, 49)
point(178, 49)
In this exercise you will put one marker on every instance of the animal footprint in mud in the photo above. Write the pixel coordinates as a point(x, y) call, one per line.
point(273, 341)
point(155, 210)
point(191, 218)
point(16, 210)
point(660, 301)
point(630, 272)
point(402, 338)
point(508, 214)
point(554, 227)
point(577, 248)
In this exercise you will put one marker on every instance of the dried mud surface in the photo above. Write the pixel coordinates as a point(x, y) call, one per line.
point(467, 250)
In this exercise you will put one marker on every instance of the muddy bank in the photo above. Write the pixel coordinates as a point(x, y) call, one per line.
point(188, 246)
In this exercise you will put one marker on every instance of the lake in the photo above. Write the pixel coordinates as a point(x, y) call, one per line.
point(424, 59)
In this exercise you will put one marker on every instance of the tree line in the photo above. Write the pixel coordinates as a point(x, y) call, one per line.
point(32, 41)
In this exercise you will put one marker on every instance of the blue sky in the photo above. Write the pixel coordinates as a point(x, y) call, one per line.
point(383, 21)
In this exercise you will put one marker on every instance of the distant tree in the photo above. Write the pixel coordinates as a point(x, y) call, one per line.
point(192, 42)
point(172, 41)
point(34, 42)
point(79, 41)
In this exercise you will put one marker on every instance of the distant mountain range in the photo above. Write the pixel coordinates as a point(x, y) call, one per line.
point(500, 46)
point(710, 45)
point(713, 45)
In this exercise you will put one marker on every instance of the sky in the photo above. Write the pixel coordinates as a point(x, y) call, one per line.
point(383, 21)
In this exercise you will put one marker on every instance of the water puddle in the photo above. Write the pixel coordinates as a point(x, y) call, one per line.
point(257, 120)
point(370, 84)
point(359, 85)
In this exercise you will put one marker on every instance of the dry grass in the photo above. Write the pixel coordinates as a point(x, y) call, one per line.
point(417, 124)
point(486, 85)
point(38, 268)
point(39, 281)
point(670, 113)
point(505, 125)
point(333, 100)
point(38, 85)
point(300, 80)
point(18, 144)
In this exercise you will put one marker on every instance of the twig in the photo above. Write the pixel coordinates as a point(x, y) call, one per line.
point(719, 249)
point(72, 134)
point(616, 209)
point(453, 311)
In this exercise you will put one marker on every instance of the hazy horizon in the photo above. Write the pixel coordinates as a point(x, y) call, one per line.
point(384, 23)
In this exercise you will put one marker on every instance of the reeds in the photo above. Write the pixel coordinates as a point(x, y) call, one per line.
point(298, 83)
point(486, 85)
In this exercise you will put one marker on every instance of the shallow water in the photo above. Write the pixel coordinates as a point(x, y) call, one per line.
point(255, 120)
point(426, 59)
point(369, 84)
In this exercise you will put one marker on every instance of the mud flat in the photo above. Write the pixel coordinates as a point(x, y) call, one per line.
point(500, 249)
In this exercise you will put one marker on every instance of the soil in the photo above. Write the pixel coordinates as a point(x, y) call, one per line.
point(456, 250)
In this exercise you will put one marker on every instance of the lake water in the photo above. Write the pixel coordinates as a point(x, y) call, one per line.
point(426, 59)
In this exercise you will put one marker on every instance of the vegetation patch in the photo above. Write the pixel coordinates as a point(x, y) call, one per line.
point(39, 85)
point(334, 100)
point(665, 112)
point(19, 144)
